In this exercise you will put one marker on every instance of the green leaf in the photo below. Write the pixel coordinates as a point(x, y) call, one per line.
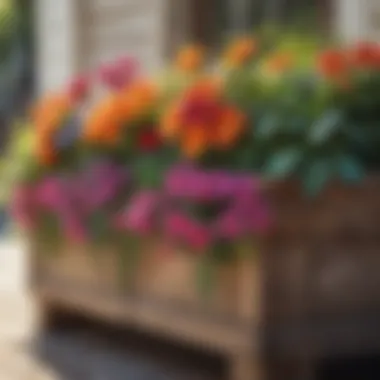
point(283, 163)
point(128, 256)
point(223, 252)
point(317, 175)
point(325, 127)
point(350, 169)
point(205, 275)
point(148, 172)
point(267, 126)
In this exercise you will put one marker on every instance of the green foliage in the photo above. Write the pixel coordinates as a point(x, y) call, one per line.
point(283, 163)
point(128, 255)
point(302, 125)
point(16, 164)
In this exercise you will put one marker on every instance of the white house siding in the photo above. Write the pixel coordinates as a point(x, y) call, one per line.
point(110, 28)
point(78, 35)
point(358, 19)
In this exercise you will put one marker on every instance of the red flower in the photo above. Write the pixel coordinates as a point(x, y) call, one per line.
point(366, 55)
point(333, 64)
point(149, 140)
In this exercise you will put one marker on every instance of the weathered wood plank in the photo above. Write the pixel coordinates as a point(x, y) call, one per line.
point(208, 333)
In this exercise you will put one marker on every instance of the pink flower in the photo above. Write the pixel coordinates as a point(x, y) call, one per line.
point(246, 212)
point(128, 65)
point(54, 196)
point(189, 182)
point(230, 226)
point(79, 88)
point(180, 227)
point(140, 213)
point(50, 194)
point(120, 73)
point(98, 185)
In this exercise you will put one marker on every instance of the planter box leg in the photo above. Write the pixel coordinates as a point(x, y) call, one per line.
point(52, 318)
point(246, 366)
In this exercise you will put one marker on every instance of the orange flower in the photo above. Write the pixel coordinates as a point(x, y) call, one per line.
point(240, 52)
point(280, 62)
point(171, 121)
point(47, 116)
point(333, 64)
point(365, 55)
point(107, 120)
point(104, 122)
point(232, 124)
point(195, 140)
point(207, 88)
point(206, 91)
point(190, 58)
point(137, 99)
point(49, 112)
point(45, 152)
point(201, 120)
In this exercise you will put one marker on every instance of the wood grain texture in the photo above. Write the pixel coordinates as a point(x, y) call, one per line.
point(162, 298)
point(321, 266)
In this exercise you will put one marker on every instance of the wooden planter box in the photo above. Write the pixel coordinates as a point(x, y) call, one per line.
point(161, 296)
point(320, 264)
point(322, 294)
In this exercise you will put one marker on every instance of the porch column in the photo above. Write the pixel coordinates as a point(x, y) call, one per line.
point(56, 45)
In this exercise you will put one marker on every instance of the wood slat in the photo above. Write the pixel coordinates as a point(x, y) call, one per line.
point(154, 317)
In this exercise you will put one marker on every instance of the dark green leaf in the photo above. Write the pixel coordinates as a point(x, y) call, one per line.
point(325, 127)
point(350, 169)
point(283, 163)
point(223, 252)
point(148, 172)
point(98, 226)
point(267, 126)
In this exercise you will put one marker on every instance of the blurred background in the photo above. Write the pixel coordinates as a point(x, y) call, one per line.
point(44, 43)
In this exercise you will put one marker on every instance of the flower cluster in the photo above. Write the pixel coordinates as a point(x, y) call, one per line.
point(265, 111)
point(201, 119)
point(339, 63)
point(72, 201)
point(240, 213)
point(48, 117)
point(109, 121)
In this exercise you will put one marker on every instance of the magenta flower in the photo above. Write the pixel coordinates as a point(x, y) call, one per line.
point(98, 185)
point(254, 211)
point(246, 213)
point(189, 182)
point(139, 216)
point(181, 228)
point(120, 73)
point(230, 226)
point(51, 194)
